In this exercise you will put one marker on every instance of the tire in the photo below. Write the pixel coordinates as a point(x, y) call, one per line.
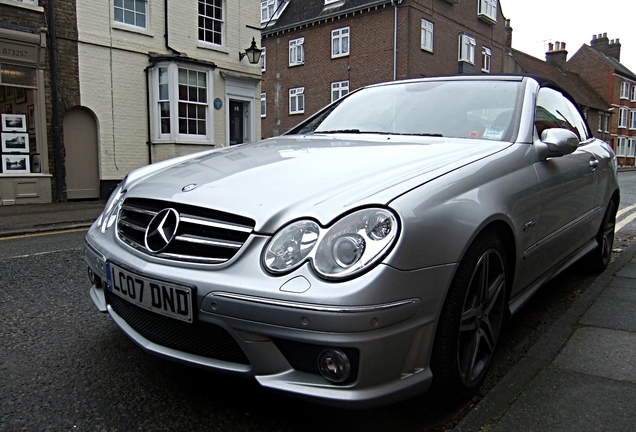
point(471, 320)
point(598, 260)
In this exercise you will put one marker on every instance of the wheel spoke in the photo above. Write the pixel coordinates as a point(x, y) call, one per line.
point(469, 320)
point(495, 290)
point(469, 356)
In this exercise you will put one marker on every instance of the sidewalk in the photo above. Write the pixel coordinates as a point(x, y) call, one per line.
point(579, 376)
point(35, 218)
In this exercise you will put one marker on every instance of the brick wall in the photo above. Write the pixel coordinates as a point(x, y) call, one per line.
point(372, 51)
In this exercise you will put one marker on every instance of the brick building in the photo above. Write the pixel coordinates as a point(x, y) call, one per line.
point(599, 64)
point(111, 86)
point(319, 50)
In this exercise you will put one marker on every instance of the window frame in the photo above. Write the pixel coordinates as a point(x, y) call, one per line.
point(631, 147)
point(624, 90)
point(222, 21)
point(633, 93)
point(486, 59)
point(297, 94)
point(467, 48)
point(338, 36)
point(297, 46)
point(621, 146)
point(632, 119)
point(263, 59)
point(427, 35)
point(263, 104)
point(339, 87)
point(623, 113)
point(487, 9)
point(146, 4)
point(266, 6)
point(174, 136)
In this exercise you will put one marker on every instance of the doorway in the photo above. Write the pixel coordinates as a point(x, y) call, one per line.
point(81, 162)
point(237, 123)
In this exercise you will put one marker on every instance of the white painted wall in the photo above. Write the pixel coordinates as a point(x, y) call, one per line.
point(112, 60)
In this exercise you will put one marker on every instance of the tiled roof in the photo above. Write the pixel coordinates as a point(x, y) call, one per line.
point(301, 12)
point(580, 90)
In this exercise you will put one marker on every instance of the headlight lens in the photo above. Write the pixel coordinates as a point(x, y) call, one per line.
point(289, 248)
point(109, 215)
point(349, 246)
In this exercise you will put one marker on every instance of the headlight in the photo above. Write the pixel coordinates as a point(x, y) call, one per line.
point(349, 246)
point(109, 215)
point(289, 248)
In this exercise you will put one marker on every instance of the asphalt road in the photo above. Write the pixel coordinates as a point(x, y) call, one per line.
point(66, 367)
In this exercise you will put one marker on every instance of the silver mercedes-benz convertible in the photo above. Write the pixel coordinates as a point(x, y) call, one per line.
point(368, 255)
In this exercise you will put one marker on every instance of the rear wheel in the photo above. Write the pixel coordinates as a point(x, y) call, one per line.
point(599, 259)
point(471, 320)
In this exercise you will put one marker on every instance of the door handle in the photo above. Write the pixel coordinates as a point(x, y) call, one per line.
point(594, 164)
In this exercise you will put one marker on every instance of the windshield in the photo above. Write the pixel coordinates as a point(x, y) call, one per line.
point(455, 109)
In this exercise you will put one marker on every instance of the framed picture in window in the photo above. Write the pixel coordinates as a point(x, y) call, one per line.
point(14, 123)
point(15, 143)
point(20, 95)
point(15, 164)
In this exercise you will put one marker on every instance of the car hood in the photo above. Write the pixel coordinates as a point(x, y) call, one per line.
point(281, 179)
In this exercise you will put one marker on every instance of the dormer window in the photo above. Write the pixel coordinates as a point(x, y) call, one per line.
point(272, 9)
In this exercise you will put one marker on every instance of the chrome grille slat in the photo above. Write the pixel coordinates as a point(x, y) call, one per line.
point(203, 241)
point(190, 258)
point(215, 223)
point(139, 210)
point(203, 236)
point(133, 225)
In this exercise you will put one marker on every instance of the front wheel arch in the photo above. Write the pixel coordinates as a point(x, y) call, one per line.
point(473, 315)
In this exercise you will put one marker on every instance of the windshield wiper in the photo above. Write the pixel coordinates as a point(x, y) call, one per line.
point(357, 131)
point(439, 135)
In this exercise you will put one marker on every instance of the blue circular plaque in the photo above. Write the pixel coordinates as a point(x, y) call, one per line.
point(218, 103)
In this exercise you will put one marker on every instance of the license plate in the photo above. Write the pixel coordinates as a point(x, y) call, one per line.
point(174, 301)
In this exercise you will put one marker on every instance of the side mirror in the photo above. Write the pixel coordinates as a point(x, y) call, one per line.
point(557, 142)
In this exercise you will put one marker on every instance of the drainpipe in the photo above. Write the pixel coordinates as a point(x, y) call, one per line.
point(165, 27)
point(395, 35)
point(148, 131)
point(60, 182)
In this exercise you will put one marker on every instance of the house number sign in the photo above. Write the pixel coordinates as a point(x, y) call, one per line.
point(20, 52)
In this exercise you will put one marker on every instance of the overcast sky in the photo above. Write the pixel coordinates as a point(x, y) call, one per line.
point(538, 22)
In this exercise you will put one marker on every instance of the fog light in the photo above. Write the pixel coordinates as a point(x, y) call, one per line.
point(91, 276)
point(334, 365)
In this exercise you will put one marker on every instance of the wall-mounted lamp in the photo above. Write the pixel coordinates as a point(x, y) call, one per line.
point(253, 53)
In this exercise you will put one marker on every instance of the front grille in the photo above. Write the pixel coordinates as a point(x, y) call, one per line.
point(199, 338)
point(203, 235)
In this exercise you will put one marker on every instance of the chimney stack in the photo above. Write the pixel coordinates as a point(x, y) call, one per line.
point(611, 48)
point(556, 55)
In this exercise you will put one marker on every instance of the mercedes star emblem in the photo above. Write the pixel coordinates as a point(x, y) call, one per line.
point(161, 230)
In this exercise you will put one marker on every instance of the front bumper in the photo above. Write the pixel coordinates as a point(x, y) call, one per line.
point(277, 338)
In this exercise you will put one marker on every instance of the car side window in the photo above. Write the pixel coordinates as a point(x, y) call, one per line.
point(554, 110)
